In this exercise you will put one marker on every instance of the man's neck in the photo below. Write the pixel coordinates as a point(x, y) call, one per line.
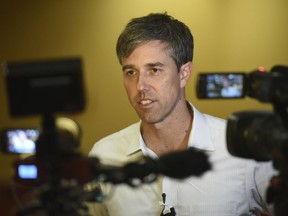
point(170, 135)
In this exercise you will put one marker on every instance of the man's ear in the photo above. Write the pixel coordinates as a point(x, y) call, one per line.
point(185, 73)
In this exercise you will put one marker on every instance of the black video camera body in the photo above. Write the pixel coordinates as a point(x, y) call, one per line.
point(259, 135)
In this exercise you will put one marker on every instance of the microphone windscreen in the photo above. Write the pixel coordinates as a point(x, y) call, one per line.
point(183, 164)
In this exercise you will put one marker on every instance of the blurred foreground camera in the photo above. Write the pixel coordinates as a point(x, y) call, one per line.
point(258, 135)
point(45, 87)
point(252, 134)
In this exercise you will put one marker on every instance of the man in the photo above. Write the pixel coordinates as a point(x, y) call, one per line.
point(156, 53)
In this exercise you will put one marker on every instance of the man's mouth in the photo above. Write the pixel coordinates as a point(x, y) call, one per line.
point(145, 102)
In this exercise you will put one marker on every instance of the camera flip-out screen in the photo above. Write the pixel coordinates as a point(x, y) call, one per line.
point(37, 87)
point(221, 85)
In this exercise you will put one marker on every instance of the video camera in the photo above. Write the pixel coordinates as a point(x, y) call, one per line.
point(258, 135)
point(47, 87)
point(43, 88)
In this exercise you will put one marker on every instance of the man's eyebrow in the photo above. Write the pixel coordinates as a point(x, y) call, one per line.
point(125, 67)
point(148, 65)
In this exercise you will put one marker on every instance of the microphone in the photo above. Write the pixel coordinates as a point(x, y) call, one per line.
point(178, 165)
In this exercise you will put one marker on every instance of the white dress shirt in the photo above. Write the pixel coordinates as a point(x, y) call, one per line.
point(234, 186)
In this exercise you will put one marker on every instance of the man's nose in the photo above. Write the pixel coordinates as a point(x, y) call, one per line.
point(142, 82)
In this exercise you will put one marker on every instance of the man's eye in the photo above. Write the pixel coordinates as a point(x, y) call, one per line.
point(155, 70)
point(130, 73)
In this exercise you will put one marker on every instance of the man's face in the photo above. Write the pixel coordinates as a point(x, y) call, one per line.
point(152, 82)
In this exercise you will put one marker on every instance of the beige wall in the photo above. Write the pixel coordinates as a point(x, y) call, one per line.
point(230, 35)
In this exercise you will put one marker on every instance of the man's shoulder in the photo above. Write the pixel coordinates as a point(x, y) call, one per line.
point(215, 120)
point(209, 120)
point(116, 146)
point(123, 134)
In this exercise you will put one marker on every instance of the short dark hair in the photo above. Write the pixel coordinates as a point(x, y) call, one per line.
point(157, 26)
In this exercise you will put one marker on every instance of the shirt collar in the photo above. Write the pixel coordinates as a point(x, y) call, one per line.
point(135, 146)
point(199, 136)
